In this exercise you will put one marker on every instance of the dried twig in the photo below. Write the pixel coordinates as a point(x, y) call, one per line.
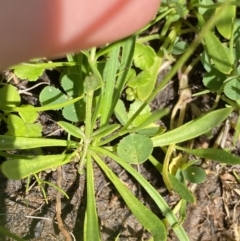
point(61, 227)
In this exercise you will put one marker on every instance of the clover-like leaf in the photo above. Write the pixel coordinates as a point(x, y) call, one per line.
point(214, 79)
point(143, 56)
point(194, 174)
point(72, 84)
point(28, 116)
point(145, 113)
point(135, 148)
point(74, 112)
point(28, 72)
point(232, 89)
point(18, 127)
point(51, 96)
point(179, 48)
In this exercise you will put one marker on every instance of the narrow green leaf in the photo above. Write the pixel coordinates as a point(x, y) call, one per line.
point(193, 128)
point(127, 51)
point(71, 129)
point(91, 228)
point(120, 112)
point(135, 148)
point(214, 155)
point(181, 189)
point(109, 77)
point(20, 143)
point(21, 168)
point(105, 131)
point(7, 233)
point(237, 132)
point(43, 108)
point(146, 217)
point(156, 115)
point(158, 199)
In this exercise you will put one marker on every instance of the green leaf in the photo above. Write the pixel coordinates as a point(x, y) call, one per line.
point(105, 131)
point(214, 155)
point(18, 127)
point(91, 83)
point(140, 80)
point(179, 48)
point(181, 189)
point(52, 96)
point(154, 194)
point(120, 112)
point(220, 57)
point(72, 84)
point(194, 174)
point(144, 91)
point(9, 96)
point(193, 128)
point(206, 61)
point(226, 18)
point(28, 72)
point(155, 116)
point(205, 11)
point(72, 129)
point(135, 148)
point(20, 143)
point(22, 168)
point(7, 233)
point(28, 117)
point(214, 79)
point(146, 217)
point(143, 56)
point(142, 117)
point(109, 77)
point(75, 112)
point(232, 89)
point(91, 226)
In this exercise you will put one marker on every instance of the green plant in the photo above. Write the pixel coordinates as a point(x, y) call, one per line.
point(93, 85)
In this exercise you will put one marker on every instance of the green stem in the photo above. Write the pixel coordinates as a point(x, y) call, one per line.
point(88, 130)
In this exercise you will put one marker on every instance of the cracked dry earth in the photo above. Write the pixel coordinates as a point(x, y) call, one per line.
point(214, 217)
